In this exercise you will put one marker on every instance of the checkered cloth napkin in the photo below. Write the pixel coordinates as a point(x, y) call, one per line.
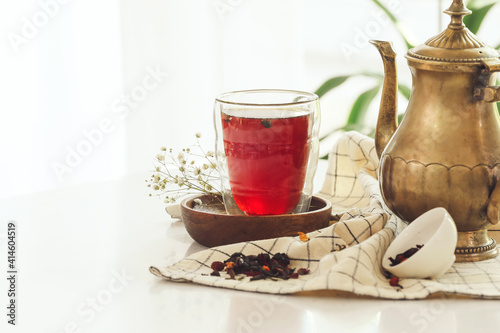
point(365, 227)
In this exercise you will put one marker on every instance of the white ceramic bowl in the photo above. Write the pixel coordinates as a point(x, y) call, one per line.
point(434, 229)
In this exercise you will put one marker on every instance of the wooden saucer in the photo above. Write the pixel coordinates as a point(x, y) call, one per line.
point(209, 225)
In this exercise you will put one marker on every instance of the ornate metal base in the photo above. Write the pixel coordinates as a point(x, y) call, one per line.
point(475, 246)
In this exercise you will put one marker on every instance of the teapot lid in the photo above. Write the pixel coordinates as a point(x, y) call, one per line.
point(456, 48)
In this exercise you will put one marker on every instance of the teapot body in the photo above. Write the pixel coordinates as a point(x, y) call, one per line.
point(445, 153)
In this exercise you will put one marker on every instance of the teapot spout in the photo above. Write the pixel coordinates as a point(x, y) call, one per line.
point(388, 115)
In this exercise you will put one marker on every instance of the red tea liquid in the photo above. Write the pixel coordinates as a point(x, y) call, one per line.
point(267, 161)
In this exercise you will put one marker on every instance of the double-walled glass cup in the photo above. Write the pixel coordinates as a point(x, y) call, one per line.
point(267, 150)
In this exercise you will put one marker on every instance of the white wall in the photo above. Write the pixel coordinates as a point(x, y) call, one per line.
point(151, 70)
point(60, 65)
point(206, 50)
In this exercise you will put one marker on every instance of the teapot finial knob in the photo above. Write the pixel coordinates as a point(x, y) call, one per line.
point(457, 11)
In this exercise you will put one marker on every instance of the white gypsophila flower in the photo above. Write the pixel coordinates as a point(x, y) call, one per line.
point(198, 201)
point(191, 174)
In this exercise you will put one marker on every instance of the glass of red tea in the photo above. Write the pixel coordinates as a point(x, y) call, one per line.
point(267, 150)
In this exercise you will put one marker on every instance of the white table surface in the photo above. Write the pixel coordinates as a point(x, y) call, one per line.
point(83, 258)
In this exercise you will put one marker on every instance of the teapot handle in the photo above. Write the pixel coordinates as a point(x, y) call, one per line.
point(489, 94)
point(492, 65)
point(493, 209)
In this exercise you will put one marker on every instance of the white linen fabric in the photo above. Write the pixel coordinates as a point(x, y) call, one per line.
point(362, 224)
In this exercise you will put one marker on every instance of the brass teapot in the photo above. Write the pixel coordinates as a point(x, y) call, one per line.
point(446, 151)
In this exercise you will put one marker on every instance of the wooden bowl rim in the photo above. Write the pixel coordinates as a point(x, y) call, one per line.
point(184, 205)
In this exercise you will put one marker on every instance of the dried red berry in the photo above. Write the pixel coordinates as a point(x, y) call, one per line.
point(217, 266)
point(405, 255)
point(394, 282)
point(401, 257)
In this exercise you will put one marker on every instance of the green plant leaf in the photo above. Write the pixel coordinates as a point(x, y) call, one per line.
point(400, 117)
point(397, 23)
point(332, 83)
point(345, 128)
point(479, 11)
point(360, 106)
point(373, 75)
point(324, 136)
point(350, 127)
point(404, 90)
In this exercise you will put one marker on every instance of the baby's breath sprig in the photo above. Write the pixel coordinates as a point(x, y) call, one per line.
point(192, 170)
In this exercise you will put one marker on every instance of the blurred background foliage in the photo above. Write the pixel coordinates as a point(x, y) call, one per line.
point(356, 118)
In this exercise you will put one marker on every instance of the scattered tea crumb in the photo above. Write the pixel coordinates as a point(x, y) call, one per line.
point(303, 271)
point(394, 282)
point(266, 123)
point(405, 255)
point(302, 236)
point(340, 247)
point(258, 267)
